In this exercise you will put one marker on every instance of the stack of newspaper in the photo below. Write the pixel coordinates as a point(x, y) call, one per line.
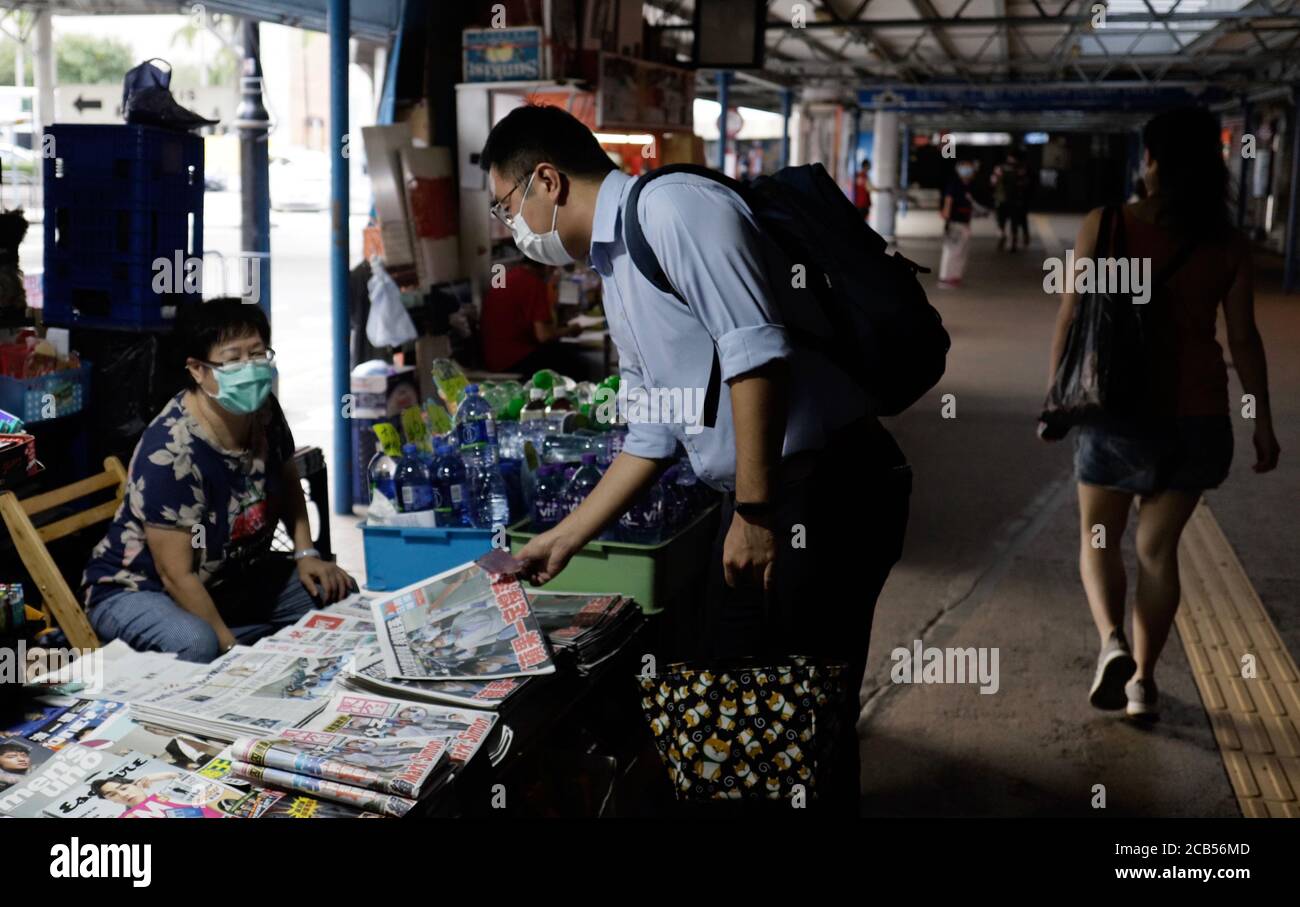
point(245, 692)
point(381, 718)
point(323, 634)
point(588, 629)
point(386, 776)
point(366, 673)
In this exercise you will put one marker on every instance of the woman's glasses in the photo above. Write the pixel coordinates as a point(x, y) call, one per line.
point(267, 357)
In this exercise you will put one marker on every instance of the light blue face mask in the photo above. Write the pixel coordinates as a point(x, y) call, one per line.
point(243, 389)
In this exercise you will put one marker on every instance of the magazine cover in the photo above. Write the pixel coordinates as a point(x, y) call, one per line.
point(56, 777)
point(37, 713)
point(388, 804)
point(464, 624)
point(20, 759)
point(78, 723)
point(138, 786)
point(399, 765)
point(380, 717)
point(367, 671)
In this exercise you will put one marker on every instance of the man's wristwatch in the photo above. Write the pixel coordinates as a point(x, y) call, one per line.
point(306, 552)
point(748, 509)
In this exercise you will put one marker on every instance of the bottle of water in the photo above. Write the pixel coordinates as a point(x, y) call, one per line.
point(582, 482)
point(548, 500)
point(382, 473)
point(490, 498)
point(535, 408)
point(643, 523)
point(476, 430)
point(414, 482)
point(453, 487)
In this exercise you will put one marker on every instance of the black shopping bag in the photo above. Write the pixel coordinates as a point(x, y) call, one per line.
point(747, 731)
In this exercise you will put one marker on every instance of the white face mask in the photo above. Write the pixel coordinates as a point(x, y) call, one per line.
point(541, 247)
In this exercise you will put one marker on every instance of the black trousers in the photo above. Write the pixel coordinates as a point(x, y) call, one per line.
point(840, 517)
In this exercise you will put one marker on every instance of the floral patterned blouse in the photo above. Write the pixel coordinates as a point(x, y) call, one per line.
point(181, 478)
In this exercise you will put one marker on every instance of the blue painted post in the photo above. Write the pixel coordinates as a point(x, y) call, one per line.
point(787, 101)
point(1243, 180)
point(1290, 279)
point(254, 124)
point(903, 168)
point(339, 21)
point(724, 84)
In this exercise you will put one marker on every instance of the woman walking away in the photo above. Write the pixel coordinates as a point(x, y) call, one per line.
point(957, 209)
point(1180, 444)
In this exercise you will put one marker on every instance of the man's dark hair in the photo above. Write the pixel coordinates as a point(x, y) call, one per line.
point(97, 786)
point(213, 322)
point(12, 746)
point(537, 133)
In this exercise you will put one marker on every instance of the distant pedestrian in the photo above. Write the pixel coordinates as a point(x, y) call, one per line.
point(1010, 188)
point(958, 206)
point(862, 190)
point(1181, 444)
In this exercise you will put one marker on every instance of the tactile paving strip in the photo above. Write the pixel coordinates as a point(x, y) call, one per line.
point(1256, 720)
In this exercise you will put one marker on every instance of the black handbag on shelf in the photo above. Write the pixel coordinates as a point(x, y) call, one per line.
point(744, 731)
point(1103, 375)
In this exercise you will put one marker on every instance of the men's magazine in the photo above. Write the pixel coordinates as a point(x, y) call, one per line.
point(463, 624)
point(381, 717)
point(20, 760)
point(53, 780)
point(400, 766)
point(367, 673)
point(138, 786)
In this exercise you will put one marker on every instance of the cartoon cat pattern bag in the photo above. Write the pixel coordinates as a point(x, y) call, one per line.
point(743, 732)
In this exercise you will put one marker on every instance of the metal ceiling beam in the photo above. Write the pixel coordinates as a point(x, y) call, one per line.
point(1011, 21)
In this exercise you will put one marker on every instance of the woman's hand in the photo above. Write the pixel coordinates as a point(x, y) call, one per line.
point(325, 580)
point(546, 555)
point(1267, 449)
point(748, 553)
point(225, 639)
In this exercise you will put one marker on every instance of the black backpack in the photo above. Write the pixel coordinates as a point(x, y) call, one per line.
point(871, 314)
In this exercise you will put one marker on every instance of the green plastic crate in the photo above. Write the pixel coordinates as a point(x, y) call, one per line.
point(654, 575)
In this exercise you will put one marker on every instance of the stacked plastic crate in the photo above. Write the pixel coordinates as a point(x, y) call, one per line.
point(123, 226)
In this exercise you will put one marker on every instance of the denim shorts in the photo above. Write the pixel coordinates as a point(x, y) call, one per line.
point(1193, 454)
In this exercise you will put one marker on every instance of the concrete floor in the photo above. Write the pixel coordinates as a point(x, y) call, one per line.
point(991, 561)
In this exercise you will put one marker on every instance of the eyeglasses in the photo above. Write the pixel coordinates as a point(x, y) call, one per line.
point(498, 208)
point(267, 357)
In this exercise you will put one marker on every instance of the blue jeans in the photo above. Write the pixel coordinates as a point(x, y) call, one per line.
point(258, 605)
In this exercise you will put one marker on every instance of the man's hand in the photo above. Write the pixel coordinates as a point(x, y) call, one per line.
point(546, 555)
point(325, 580)
point(225, 639)
point(748, 553)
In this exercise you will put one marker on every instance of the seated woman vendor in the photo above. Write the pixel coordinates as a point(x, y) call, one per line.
point(186, 565)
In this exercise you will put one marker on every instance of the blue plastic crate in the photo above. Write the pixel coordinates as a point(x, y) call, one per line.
point(109, 291)
point(68, 391)
point(99, 232)
point(397, 556)
point(121, 155)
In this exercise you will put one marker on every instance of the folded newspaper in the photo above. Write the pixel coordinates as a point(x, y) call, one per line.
point(379, 717)
point(399, 766)
point(367, 673)
point(245, 692)
point(464, 624)
point(359, 797)
point(589, 629)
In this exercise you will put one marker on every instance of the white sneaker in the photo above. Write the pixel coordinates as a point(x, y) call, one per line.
point(1142, 699)
point(1115, 665)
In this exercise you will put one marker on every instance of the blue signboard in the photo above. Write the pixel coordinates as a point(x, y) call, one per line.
point(503, 54)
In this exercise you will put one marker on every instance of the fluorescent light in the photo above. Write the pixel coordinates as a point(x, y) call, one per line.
point(618, 138)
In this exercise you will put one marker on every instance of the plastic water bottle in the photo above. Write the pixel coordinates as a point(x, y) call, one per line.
point(453, 487)
point(382, 473)
point(582, 482)
point(548, 500)
point(414, 482)
point(535, 408)
point(476, 430)
point(643, 523)
point(490, 497)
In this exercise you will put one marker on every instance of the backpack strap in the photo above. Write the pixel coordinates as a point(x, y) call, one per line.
point(647, 262)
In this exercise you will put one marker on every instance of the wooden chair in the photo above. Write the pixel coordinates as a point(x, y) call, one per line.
point(59, 602)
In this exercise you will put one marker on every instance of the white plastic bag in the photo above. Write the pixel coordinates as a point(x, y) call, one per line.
point(389, 324)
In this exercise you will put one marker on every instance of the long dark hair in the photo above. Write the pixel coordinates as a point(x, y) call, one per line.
point(1191, 177)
